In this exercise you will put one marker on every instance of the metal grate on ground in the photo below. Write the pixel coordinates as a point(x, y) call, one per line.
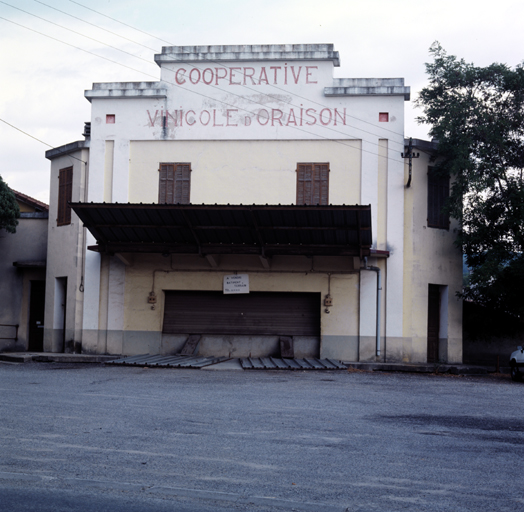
point(175, 361)
point(272, 363)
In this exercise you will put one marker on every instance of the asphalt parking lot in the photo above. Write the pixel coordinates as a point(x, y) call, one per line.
point(93, 437)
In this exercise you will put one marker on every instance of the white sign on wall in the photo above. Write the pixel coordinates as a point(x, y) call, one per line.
point(238, 283)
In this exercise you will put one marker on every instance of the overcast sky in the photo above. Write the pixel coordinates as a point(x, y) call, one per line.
point(42, 79)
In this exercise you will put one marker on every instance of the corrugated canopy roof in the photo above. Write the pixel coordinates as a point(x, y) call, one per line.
point(266, 230)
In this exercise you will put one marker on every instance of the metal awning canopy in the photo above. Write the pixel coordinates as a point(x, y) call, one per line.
point(264, 230)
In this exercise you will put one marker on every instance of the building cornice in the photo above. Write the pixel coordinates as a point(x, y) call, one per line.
point(126, 90)
point(66, 149)
point(248, 52)
point(368, 87)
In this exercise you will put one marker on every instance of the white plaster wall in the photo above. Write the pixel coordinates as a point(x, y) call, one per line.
point(141, 119)
point(117, 275)
point(245, 171)
point(341, 320)
point(120, 192)
point(395, 241)
point(368, 303)
point(92, 286)
point(65, 253)
point(431, 258)
point(219, 112)
point(384, 190)
point(97, 165)
point(369, 181)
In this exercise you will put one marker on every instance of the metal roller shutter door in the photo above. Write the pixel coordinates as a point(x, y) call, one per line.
point(256, 313)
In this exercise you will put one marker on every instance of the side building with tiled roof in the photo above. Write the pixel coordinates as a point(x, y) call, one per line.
point(22, 278)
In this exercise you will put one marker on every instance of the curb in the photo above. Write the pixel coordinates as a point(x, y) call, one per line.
point(425, 368)
point(22, 357)
point(55, 358)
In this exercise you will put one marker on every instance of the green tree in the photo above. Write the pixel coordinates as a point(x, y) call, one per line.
point(9, 210)
point(477, 116)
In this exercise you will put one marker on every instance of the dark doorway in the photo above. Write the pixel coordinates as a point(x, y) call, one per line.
point(60, 314)
point(433, 323)
point(36, 316)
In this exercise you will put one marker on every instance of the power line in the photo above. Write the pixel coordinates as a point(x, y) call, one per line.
point(198, 93)
point(227, 67)
point(75, 47)
point(41, 141)
point(222, 64)
point(74, 31)
point(96, 26)
point(118, 21)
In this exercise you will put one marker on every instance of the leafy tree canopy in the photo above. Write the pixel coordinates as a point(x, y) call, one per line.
point(9, 210)
point(477, 116)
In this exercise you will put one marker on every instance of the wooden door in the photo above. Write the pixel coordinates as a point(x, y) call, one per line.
point(433, 323)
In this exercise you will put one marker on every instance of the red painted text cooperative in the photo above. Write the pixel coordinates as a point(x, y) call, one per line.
point(273, 75)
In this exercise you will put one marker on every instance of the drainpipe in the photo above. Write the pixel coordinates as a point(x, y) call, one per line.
point(379, 288)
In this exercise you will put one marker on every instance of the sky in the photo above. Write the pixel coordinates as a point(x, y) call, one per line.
point(53, 50)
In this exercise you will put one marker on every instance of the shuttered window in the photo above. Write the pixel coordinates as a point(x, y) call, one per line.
point(174, 183)
point(312, 183)
point(65, 191)
point(438, 193)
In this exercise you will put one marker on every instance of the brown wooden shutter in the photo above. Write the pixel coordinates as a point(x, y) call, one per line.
point(323, 183)
point(438, 193)
point(303, 177)
point(182, 183)
point(65, 192)
point(174, 183)
point(313, 184)
point(315, 189)
point(162, 184)
point(431, 198)
point(443, 194)
point(166, 183)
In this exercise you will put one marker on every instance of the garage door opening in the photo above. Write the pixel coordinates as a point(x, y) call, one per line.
point(242, 325)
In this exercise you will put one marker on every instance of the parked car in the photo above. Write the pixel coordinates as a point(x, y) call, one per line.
point(516, 362)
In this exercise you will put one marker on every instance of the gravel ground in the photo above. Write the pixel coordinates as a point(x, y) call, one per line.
point(89, 437)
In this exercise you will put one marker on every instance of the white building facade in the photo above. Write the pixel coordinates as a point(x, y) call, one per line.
point(249, 164)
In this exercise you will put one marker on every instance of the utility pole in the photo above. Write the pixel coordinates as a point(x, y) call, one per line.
point(410, 155)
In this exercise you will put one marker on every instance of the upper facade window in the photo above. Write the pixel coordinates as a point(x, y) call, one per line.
point(438, 193)
point(65, 191)
point(174, 183)
point(313, 183)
